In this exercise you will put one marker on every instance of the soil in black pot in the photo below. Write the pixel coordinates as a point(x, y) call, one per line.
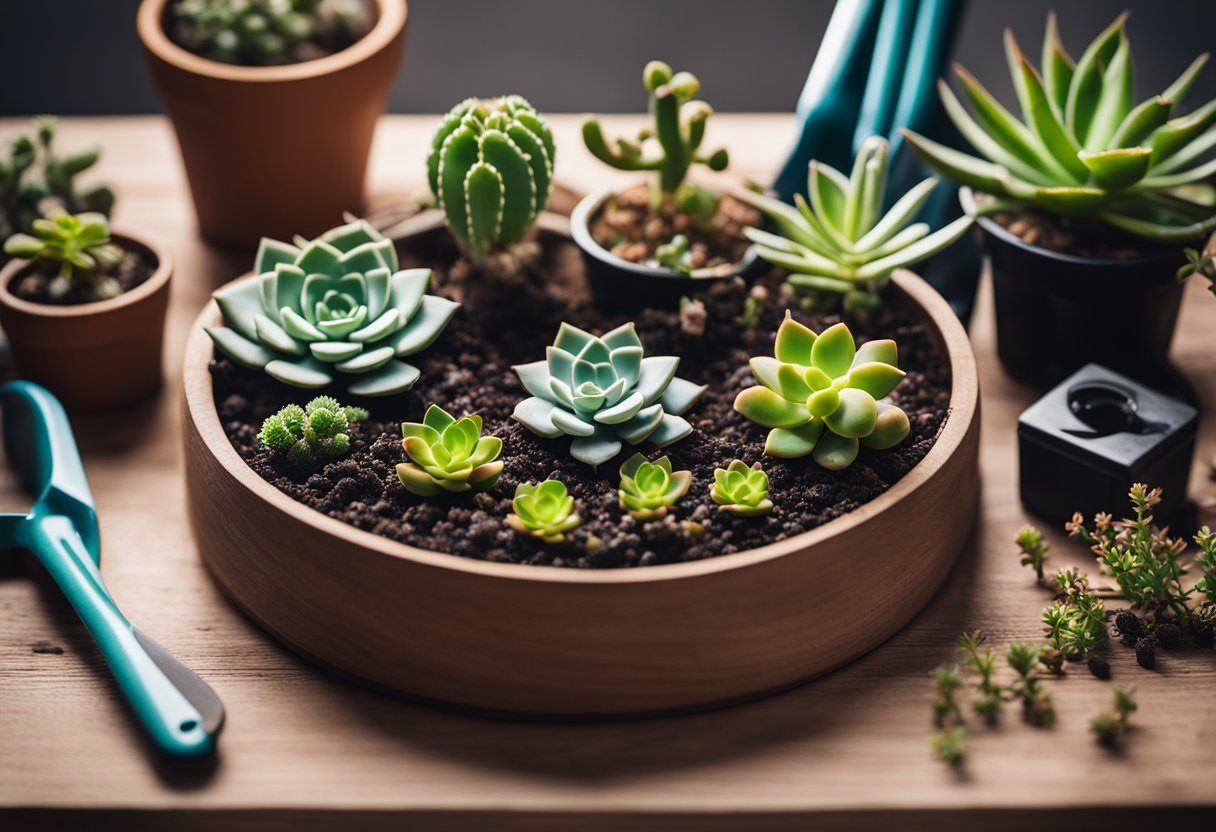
point(469, 370)
point(1078, 237)
point(40, 283)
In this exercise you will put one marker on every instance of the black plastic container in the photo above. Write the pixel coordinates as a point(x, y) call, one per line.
point(1083, 445)
point(619, 285)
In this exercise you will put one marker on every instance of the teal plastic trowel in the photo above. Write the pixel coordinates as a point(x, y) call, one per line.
point(180, 712)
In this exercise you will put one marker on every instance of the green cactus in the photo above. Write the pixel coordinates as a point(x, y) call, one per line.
point(649, 489)
point(679, 129)
point(601, 390)
point(820, 394)
point(335, 305)
point(80, 245)
point(741, 490)
point(310, 435)
point(268, 32)
point(842, 243)
point(491, 170)
point(448, 454)
point(543, 510)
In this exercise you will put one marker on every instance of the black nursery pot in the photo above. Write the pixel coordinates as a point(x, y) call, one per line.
point(618, 285)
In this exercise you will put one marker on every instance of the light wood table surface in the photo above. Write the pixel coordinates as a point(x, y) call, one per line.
point(304, 749)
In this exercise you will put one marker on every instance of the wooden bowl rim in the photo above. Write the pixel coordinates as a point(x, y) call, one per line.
point(964, 401)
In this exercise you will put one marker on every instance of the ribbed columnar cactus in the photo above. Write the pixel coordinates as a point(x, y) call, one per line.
point(491, 169)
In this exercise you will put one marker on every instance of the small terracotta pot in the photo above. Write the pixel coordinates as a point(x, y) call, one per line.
point(277, 150)
point(93, 356)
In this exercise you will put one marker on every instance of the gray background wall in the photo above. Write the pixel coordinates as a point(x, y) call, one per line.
point(82, 56)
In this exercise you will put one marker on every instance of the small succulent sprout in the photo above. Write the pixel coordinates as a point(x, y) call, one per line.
point(336, 305)
point(679, 130)
point(675, 255)
point(543, 510)
point(602, 391)
point(741, 489)
point(491, 170)
point(448, 454)
point(821, 395)
point(1082, 147)
point(648, 489)
point(78, 243)
point(313, 434)
point(842, 242)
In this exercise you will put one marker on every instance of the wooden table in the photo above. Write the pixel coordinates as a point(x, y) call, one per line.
point(303, 749)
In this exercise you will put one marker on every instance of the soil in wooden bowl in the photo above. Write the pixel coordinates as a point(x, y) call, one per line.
point(40, 284)
point(469, 370)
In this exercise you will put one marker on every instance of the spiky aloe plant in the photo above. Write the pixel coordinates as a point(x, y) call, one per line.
point(491, 169)
point(842, 242)
point(1083, 148)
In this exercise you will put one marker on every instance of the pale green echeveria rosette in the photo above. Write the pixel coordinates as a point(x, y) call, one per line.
point(334, 306)
point(448, 454)
point(603, 391)
point(543, 510)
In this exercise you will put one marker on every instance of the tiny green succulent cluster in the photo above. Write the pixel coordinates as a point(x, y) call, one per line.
point(741, 489)
point(1083, 148)
point(448, 454)
point(842, 243)
point(543, 510)
point(820, 395)
point(679, 128)
point(602, 391)
point(648, 489)
point(312, 434)
point(333, 305)
point(491, 169)
point(25, 197)
point(79, 243)
point(268, 32)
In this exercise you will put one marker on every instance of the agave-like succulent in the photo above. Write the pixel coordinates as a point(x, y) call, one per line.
point(601, 390)
point(741, 490)
point(448, 454)
point(543, 510)
point(842, 242)
point(648, 489)
point(820, 394)
point(491, 169)
point(1082, 147)
point(335, 305)
point(311, 434)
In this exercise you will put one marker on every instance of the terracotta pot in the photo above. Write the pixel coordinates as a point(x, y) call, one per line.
point(565, 642)
point(278, 150)
point(93, 356)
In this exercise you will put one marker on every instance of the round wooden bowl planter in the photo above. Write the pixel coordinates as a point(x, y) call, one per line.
point(552, 641)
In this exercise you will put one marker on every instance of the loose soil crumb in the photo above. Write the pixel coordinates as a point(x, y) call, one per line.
point(469, 369)
point(38, 283)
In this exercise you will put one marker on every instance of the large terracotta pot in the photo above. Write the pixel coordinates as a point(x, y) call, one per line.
point(277, 150)
point(93, 356)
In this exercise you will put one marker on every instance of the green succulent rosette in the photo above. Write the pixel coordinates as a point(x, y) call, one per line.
point(543, 510)
point(448, 454)
point(740, 489)
point(649, 489)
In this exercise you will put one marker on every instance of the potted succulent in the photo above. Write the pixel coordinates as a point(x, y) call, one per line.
point(237, 76)
point(644, 244)
point(84, 311)
point(1086, 203)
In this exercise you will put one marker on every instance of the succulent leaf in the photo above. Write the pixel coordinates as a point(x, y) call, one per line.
point(448, 455)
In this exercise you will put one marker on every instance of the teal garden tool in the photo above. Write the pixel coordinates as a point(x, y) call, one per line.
point(180, 712)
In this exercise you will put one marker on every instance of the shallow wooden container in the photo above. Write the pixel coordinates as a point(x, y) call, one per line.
point(551, 641)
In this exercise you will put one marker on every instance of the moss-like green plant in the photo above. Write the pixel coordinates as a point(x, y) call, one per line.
point(491, 170)
point(648, 489)
point(602, 391)
point(313, 434)
point(334, 306)
point(842, 243)
point(820, 394)
point(448, 454)
point(1083, 148)
point(268, 32)
point(79, 244)
point(679, 129)
point(543, 510)
point(740, 489)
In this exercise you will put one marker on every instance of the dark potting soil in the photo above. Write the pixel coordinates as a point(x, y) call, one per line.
point(469, 370)
point(1076, 237)
point(39, 284)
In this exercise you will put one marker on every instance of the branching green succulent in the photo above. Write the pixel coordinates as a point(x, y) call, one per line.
point(543, 510)
point(1202, 263)
point(679, 130)
point(981, 664)
point(334, 306)
point(602, 392)
point(268, 32)
point(842, 243)
point(448, 455)
point(649, 489)
point(949, 740)
point(79, 244)
point(491, 169)
point(740, 489)
point(821, 394)
point(675, 255)
point(1083, 148)
point(1033, 548)
point(1076, 623)
point(1037, 708)
point(311, 435)
point(1110, 726)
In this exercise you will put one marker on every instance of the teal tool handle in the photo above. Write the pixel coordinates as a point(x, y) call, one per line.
point(174, 725)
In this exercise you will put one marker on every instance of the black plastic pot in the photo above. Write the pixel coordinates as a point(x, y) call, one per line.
point(619, 285)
